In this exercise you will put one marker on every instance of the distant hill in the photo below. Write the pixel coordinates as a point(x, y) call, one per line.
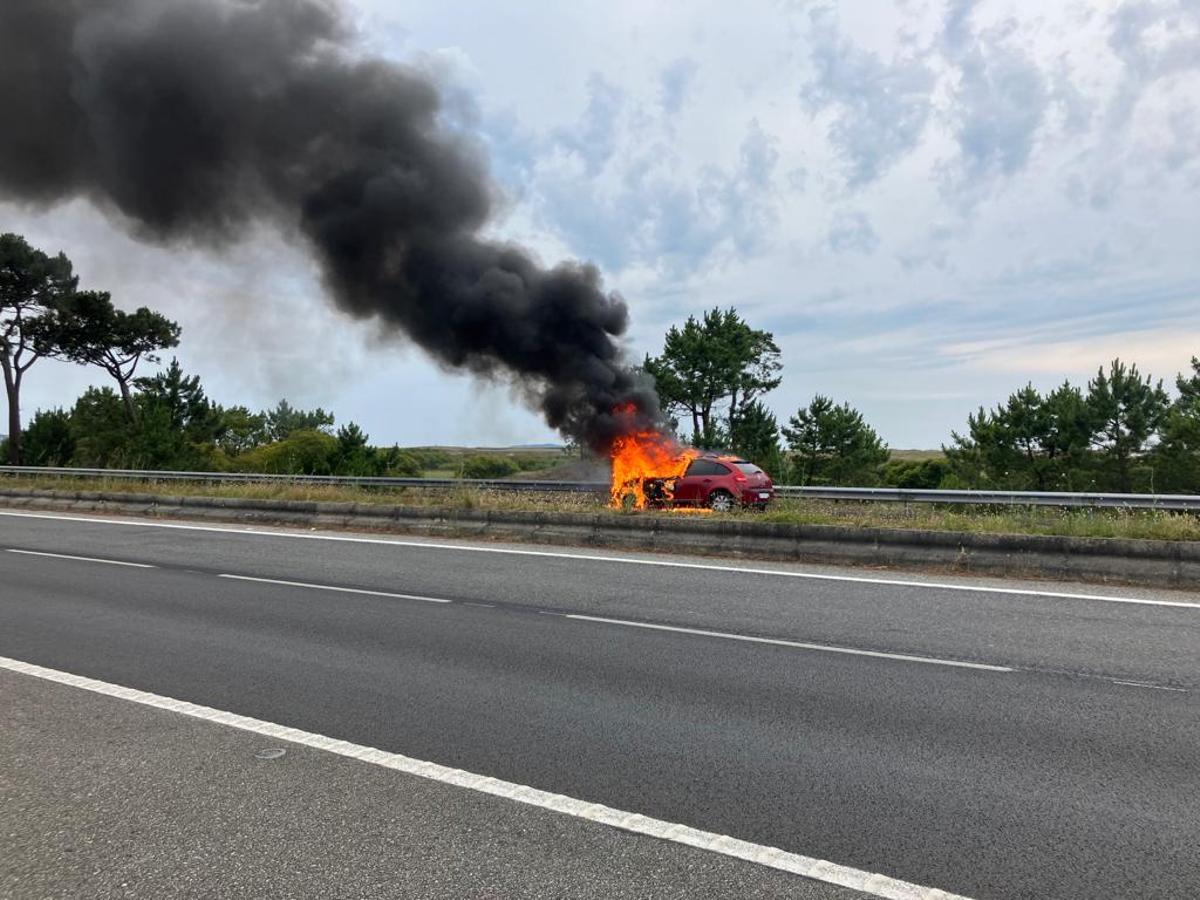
point(917, 454)
point(572, 470)
point(514, 448)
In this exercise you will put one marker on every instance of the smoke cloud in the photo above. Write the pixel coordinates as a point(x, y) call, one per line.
point(188, 121)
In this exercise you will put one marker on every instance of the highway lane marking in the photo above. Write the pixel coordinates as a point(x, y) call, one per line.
point(780, 642)
point(806, 866)
point(681, 630)
point(621, 560)
point(91, 559)
point(330, 587)
point(1149, 686)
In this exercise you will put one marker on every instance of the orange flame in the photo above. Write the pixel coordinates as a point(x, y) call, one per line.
point(645, 455)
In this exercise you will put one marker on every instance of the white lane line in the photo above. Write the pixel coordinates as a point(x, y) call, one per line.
point(620, 560)
point(771, 857)
point(717, 634)
point(330, 587)
point(92, 559)
point(801, 645)
point(1153, 687)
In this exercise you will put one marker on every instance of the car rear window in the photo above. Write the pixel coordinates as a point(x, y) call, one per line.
point(748, 468)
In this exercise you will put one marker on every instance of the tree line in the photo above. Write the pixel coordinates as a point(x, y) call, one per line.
point(1121, 432)
point(160, 421)
point(44, 314)
point(166, 420)
point(175, 426)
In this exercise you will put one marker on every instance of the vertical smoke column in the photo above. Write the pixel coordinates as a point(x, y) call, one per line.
point(189, 120)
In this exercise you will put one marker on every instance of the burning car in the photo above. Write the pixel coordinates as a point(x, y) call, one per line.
point(720, 483)
point(651, 470)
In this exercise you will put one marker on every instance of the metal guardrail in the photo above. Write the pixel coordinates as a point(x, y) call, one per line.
point(347, 480)
point(1173, 502)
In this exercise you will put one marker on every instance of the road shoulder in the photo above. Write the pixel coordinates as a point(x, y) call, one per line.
point(104, 798)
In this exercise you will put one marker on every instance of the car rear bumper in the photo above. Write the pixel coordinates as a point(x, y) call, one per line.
point(757, 496)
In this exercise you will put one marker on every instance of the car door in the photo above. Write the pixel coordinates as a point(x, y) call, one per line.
point(686, 485)
point(693, 487)
point(720, 478)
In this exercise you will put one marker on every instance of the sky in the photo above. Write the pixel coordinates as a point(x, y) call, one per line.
point(929, 204)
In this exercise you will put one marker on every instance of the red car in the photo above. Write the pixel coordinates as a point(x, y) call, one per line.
point(718, 482)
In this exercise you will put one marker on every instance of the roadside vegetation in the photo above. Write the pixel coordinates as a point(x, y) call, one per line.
point(176, 427)
point(1143, 524)
point(1121, 432)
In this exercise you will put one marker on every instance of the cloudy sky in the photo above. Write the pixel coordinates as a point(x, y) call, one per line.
point(928, 203)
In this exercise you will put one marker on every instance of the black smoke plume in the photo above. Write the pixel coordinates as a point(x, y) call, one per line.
point(189, 120)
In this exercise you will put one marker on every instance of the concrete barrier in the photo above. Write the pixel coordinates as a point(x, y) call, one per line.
point(1159, 563)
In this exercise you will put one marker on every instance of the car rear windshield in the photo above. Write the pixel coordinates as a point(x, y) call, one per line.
point(749, 468)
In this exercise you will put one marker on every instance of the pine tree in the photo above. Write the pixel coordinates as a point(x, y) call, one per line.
point(832, 445)
point(755, 436)
point(1127, 411)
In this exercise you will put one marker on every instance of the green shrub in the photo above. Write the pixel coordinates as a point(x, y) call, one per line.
point(430, 457)
point(48, 440)
point(922, 474)
point(489, 466)
point(102, 436)
point(402, 464)
point(528, 462)
point(301, 453)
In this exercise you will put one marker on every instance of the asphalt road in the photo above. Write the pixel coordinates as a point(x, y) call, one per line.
point(111, 799)
point(990, 744)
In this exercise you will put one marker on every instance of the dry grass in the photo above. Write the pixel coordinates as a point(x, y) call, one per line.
point(1089, 523)
point(991, 520)
point(457, 498)
point(915, 455)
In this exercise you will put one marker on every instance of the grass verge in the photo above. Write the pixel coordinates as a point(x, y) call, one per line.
point(1144, 524)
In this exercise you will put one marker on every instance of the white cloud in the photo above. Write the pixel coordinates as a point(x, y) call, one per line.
point(999, 103)
point(1161, 352)
point(851, 231)
point(676, 80)
point(880, 107)
point(928, 202)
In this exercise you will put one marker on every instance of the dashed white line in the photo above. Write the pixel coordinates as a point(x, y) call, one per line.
point(801, 645)
point(620, 560)
point(809, 867)
point(1149, 686)
point(91, 559)
point(331, 587)
point(716, 634)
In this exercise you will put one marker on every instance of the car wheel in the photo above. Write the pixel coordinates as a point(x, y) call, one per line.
point(720, 501)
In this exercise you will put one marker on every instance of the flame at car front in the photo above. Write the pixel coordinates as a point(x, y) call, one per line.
point(646, 456)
